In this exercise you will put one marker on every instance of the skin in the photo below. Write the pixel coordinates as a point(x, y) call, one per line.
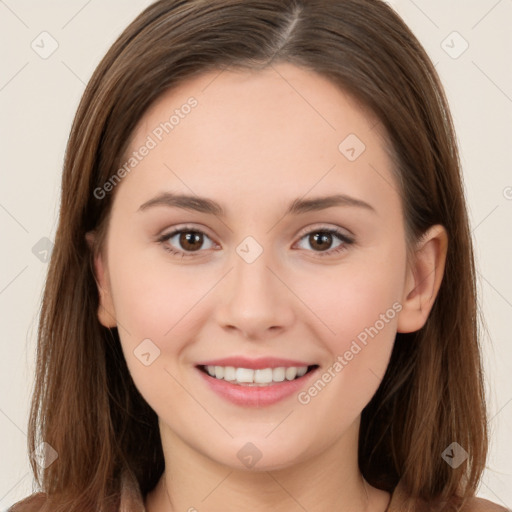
point(256, 141)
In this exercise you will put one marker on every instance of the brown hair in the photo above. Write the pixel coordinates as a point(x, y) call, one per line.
point(85, 404)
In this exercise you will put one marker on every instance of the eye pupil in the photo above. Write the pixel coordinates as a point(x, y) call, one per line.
point(322, 239)
point(188, 238)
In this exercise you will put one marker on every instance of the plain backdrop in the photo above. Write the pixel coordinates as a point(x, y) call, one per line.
point(469, 41)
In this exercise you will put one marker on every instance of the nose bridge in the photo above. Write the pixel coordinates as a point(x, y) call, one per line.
point(254, 300)
point(252, 278)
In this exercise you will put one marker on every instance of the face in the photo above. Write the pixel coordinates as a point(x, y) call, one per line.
point(272, 270)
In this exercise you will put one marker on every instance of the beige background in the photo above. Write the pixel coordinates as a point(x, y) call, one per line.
point(38, 99)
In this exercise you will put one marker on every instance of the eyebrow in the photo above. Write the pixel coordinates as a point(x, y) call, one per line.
point(298, 206)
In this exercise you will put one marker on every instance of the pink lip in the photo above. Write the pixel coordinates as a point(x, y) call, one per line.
point(254, 364)
point(256, 396)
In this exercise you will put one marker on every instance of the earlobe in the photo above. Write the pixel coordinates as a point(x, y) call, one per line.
point(106, 312)
point(423, 280)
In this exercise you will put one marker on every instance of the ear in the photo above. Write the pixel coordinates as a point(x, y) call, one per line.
point(106, 311)
point(423, 279)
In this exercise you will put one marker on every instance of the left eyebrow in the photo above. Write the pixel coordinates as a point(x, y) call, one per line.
point(321, 203)
point(298, 206)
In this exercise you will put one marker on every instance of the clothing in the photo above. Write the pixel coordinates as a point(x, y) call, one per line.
point(133, 501)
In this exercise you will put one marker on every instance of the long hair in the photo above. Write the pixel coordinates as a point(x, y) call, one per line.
point(85, 404)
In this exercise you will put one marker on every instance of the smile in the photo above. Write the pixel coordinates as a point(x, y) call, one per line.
point(258, 377)
point(258, 387)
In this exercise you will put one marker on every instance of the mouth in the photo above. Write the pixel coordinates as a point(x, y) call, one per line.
point(261, 377)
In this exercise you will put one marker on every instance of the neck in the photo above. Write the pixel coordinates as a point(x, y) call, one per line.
point(329, 480)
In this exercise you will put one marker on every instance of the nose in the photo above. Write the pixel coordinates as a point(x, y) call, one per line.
point(254, 300)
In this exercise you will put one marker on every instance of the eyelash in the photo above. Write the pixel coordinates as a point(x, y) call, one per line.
point(187, 229)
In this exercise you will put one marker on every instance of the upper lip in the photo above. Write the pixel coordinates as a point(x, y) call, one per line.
point(254, 364)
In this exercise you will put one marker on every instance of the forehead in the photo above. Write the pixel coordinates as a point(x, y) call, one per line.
point(283, 129)
point(285, 95)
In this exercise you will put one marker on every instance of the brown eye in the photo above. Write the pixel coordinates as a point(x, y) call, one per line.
point(321, 241)
point(191, 240)
point(185, 242)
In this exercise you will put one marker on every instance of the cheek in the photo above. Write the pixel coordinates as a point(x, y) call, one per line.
point(154, 300)
point(358, 300)
point(360, 303)
point(157, 302)
point(151, 298)
point(363, 316)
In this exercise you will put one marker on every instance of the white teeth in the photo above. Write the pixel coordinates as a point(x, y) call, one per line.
point(244, 375)
point(302, 371)
point(278, 374)
point(229, 373)
point(262, 376)
point(290, 373)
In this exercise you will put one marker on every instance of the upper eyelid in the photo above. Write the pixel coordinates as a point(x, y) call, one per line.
point(186, 228)
point(325, 227)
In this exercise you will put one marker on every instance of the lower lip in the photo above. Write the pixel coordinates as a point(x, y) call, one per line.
point(256, 396)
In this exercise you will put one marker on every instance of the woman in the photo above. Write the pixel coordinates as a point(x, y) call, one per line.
point(262, 289)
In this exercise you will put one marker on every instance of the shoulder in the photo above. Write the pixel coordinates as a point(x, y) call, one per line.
point(482, 505)
point(32, 503)
point(472, 504)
